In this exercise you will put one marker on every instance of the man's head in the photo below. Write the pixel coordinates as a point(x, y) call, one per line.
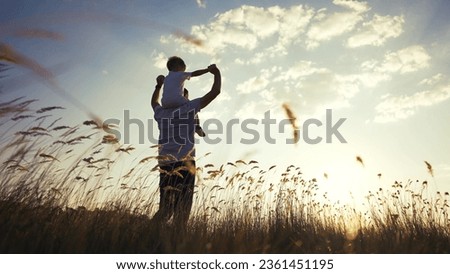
point(175, 63)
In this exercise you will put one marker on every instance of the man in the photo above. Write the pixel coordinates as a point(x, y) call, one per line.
point(176, 157)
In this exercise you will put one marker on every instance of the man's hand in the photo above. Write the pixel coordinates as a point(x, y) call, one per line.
point(213, 69)
point(160, 80)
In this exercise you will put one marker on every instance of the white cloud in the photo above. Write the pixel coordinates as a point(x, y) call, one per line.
point(377, 31)
point(371, 79)
point(241, 27)
point(318, 86)
point(293, 23)
point(406, 60)
point(331, 26)
point(259, 21)
point(358, 6)
point(394, 108)
point(255, 36)
point(256, 58)
point(247, 26)
point(218, 37)
point(324, 26)
point(432, 80)
point(347, 86)
point(166, 39)
point(257, 83)
point(201, 3)
point(160, 60)
point(299, 70)
point(239, 61)
point(307, 86)
point(311, 88)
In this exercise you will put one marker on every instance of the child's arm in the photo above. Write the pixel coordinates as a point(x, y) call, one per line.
point(199, 72)
point(155, 96)
point(215, 89)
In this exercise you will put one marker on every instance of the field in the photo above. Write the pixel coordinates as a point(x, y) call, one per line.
point(63, 190)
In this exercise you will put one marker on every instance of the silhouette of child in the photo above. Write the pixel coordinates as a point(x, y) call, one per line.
point(174, 94)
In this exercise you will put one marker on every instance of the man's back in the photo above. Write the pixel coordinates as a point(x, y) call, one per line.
point(176, 131)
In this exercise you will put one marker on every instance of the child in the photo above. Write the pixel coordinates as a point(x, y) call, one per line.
point(174, 94)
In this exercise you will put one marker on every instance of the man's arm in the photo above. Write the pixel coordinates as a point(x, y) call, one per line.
point(199, 72)
point(215, 89)
point(155, 96)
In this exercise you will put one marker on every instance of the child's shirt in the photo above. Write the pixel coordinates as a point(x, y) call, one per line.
point(172, 95)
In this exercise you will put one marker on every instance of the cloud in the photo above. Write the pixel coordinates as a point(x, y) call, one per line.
point(258, 36)
point(320, 86)
point(330, 27)
point(258, 21)
point(371, 79)
point(247, 26)
point(324, 26)
point(256, 58)
point(358, 6)
point(219, 37)
point(241, 27)
point(293, 23)
point(394, 108)
point(306, 87)
point(257, 83)
point(159, 60)
point(299, 70)
point(432, 80)
point(201, 3)
point(377, 31)
point(410, 59)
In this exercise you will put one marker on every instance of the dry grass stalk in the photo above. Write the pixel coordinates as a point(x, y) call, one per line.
point(360, 160)
point(293, 120)
point(429, 168)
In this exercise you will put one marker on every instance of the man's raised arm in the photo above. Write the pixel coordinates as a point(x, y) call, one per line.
point(155, 96)
point(215, 89)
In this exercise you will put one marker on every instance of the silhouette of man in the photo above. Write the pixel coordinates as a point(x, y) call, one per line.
point(176, 157)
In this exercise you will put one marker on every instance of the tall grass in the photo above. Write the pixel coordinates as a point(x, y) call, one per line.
point(62, 191)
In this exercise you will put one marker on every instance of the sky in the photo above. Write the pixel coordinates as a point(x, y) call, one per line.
point(380, 65)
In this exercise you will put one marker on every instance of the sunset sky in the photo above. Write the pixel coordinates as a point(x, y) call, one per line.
point(381, 65)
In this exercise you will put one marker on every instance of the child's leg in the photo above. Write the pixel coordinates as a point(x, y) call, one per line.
point(196, 121)
point(173, 101)
point(198, 128)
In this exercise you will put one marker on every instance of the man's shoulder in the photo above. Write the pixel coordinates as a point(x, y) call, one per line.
point(191, 106)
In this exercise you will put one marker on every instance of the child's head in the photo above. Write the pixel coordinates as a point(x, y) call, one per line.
point(175, 63)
